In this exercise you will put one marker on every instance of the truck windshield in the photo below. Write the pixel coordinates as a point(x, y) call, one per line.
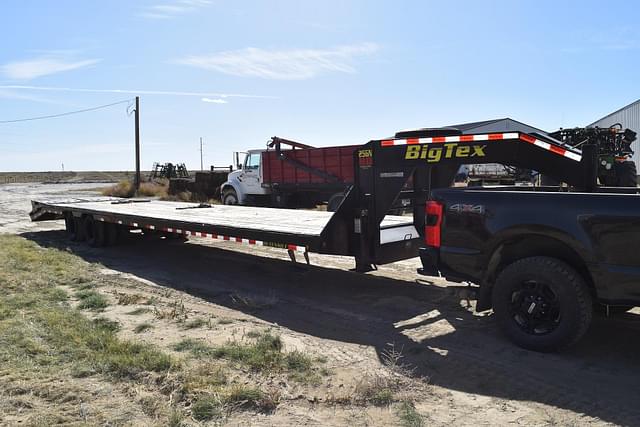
point(253, 161)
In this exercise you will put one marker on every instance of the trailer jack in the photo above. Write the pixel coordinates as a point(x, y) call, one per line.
point(364, 267)
point(292, 255)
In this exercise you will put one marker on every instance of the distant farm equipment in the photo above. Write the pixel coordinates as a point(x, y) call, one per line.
point(206, 184)
point(169, 171)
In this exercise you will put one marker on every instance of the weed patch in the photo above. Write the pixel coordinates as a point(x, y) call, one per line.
point(91, 300)
point(196, 323)
point(142, 327)
point(147, 189)
point(262, 352)
point(408, 415)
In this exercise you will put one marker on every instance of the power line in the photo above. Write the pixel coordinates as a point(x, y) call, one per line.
point(68, 113)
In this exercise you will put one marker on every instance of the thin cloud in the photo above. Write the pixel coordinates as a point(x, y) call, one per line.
point(215, 100)
point(42, 66)
point(294, 64)
point(136, 92)
point(172, 9)
point(9, 94)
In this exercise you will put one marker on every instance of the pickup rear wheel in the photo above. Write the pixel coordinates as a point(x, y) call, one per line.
point(229, 197)
point(542, 304)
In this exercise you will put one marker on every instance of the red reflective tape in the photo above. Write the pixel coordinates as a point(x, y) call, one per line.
point(466, 138)
point(252, 242)
point(439, 139)
point(164, 229)
point(239, 239)
point(557, 150)
point(292, 247)
point(527, 138)
point(386, 142)
point(494, 136)
point(214, 236)
point(413, 141)
point(226, 238)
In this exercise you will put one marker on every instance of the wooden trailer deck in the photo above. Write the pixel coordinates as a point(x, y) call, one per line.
point(291, 226)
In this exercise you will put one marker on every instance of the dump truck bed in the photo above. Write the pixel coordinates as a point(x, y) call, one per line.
point(288, 228)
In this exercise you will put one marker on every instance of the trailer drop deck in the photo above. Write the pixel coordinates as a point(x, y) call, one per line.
point(297, 230)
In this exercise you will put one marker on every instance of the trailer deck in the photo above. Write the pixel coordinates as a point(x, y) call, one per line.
point(288, 228)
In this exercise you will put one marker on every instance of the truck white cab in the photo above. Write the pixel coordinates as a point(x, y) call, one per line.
point(246, 182)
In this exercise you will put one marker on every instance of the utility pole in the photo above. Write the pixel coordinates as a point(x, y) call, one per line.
point(201, 165)
point(137, 120)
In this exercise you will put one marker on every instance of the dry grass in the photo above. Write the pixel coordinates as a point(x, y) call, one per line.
point(147, 189)
point(44, 339)
point(261, 352)
point(408, 415)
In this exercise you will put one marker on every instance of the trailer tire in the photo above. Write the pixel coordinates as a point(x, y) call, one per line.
point(229, 197)
point(78, 234)
point(542, 304)
point(334, 202)
point(94, 232)
point(70, 226)
point(626, 174)
point(111, 232)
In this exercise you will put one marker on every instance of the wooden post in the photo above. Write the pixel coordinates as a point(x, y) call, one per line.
point(137, 120)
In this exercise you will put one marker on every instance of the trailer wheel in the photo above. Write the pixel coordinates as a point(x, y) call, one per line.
point(70, 225)
point(542, 304)
point(111, 234)
point(334, 202)
point(78, 234)
point(229, 197)
point(94, 232)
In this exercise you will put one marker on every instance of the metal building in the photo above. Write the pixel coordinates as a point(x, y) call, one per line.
point(628, 117)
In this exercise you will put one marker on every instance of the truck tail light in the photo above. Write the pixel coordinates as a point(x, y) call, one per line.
point(433, 223)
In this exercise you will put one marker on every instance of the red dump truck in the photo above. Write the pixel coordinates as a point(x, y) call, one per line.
point(291, 174)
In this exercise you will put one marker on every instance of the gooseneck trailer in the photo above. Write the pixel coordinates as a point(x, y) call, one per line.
point(363, 226)
point(541, 258)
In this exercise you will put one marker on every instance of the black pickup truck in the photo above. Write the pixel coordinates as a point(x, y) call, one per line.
point(542, 259)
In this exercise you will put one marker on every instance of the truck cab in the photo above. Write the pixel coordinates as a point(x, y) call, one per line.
point(245, 183)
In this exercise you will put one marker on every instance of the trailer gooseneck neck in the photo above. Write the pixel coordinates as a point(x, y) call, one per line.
point(429, 159)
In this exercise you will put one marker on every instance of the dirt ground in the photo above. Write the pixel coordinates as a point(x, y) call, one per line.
point(464, 371)
point(65, 177)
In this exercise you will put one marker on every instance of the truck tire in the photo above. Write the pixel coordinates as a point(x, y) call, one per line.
point(334, 202)
point(229, 197)
point(542, 304)
point(626, 174)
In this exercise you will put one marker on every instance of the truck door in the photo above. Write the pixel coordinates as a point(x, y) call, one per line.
point(251, 174)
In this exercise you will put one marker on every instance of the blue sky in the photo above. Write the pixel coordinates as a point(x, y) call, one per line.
point(323, 73)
